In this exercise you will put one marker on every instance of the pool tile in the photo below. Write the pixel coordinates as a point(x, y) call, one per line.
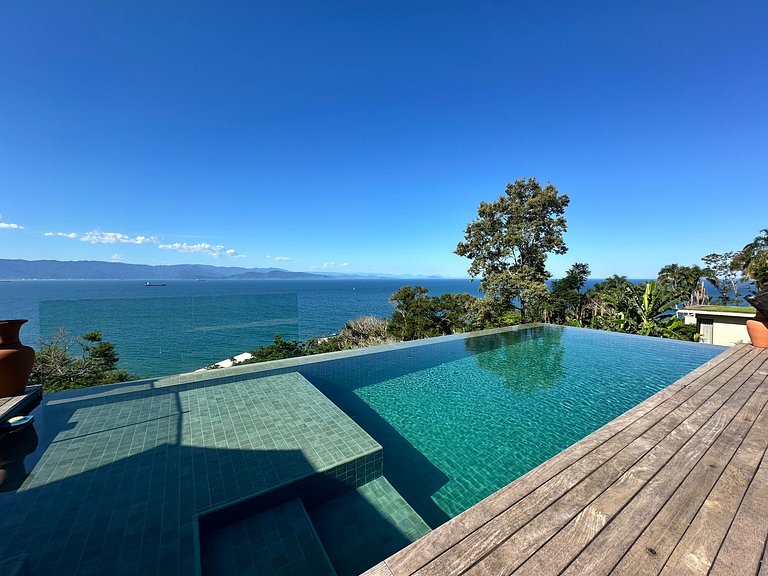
point(120, 484)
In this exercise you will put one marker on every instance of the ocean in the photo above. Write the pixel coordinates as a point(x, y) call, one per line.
point(188, 324)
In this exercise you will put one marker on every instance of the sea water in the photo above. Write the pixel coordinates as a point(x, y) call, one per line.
point(188, 324)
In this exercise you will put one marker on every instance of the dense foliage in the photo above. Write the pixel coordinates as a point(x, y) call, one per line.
point(278, 350)
point(509, 242)
point(752, 261)
point(688, 281)
point(565, 302)
point(65, 361)
point(418, 315)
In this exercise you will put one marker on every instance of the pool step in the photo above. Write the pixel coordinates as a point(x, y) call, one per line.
point(278, 541)
point(362, 527)
point(301, 445)
point(308, 451)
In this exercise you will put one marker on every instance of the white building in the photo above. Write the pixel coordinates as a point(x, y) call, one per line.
point(722, 328)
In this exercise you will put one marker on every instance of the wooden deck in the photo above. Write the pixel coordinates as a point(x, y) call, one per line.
point(677, 485)
point(15, 405)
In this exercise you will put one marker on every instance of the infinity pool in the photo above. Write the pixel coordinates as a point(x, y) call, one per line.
point(155, 476)
point(460, 419)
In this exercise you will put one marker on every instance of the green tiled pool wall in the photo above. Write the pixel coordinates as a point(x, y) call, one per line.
point(279, 540)
point(361, 528)
point(312, 489)
point(360, 471)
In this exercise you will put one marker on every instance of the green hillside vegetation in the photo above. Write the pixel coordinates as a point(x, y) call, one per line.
point(65, 361)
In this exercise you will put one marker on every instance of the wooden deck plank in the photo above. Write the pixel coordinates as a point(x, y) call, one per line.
point(745, 439)
point(556, 554)
point(606, 549)
point(764, 563)
point(744, 544)
point(661, 416)
point(381, 569)
point(420, 553)
point(595, 504)
point(677, 498)
point(696, 551)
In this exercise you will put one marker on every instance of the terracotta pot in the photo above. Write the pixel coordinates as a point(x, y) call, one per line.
point(16, 360)
point(757, 328)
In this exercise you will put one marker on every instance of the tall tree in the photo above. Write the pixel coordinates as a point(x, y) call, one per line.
point(415, 315)
point(725, 274)
point(65, 361)
point(566, 300)
point(685, 279)
point(753, 259)
point(510, 240)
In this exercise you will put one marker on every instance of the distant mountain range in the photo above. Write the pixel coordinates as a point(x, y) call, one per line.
point(95, 270)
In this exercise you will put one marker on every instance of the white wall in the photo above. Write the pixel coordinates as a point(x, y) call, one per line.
point(726, 330)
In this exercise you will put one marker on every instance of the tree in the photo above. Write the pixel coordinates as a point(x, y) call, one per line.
point(725, 274)
point(509, 242)
point(419, 315)
point(278, 350)
point(65, 361)
point(649, 304)
point(687, 280)
point(753, 259)
point(607, 303)
point(566, 300)
point(637, 309)
point(415, 315)
point(456, 312)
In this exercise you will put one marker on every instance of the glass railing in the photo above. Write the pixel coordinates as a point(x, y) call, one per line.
point(168, 335)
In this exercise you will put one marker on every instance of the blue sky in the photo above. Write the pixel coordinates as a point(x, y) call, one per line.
point(361, 136)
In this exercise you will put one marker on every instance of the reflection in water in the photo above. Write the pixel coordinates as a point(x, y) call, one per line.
point(526, 360)
point(14, 447)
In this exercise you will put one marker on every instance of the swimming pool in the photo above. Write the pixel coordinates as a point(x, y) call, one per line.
point(460, 418)
point(213, 460)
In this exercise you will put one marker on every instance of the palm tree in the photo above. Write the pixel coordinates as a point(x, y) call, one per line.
point(672, 275)
point(753, 259)
point(685, 279)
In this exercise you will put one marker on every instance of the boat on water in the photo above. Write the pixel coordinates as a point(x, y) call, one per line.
point(153, 284)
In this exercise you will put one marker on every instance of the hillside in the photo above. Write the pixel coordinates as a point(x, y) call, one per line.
point(95, 270)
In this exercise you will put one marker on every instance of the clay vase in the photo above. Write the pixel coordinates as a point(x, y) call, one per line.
point(16, 360)
point(757, 328)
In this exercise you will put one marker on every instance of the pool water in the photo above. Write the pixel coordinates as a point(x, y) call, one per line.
point(458, 420)
point(225, 456)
